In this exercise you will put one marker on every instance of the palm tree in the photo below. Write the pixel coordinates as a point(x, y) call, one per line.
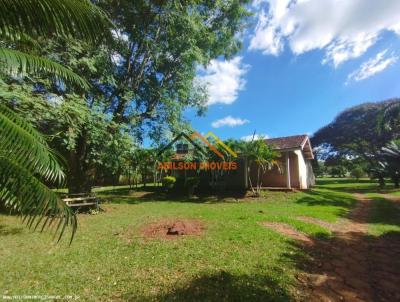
point(25, 158)
point(389, 118)
point(261, 156)
point(391, 160)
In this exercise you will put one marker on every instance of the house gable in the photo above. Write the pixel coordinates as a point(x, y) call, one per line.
point(292, 143)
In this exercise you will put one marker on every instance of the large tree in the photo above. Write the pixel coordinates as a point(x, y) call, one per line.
point(360, 133)
point(146, 78)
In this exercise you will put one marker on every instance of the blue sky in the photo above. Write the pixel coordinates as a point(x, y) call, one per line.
point(303, 62)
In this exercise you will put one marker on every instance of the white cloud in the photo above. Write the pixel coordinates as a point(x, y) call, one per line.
point(229, 121)
point(372, 66)
point(345, 29)
point(224, 80)
point(250, 137)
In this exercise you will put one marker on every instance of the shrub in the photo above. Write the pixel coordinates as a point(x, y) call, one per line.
point(168, 182)
point(357, 173)
point(179, 184)
point(191, 183)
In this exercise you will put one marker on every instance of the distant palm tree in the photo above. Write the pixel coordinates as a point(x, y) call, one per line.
point(389, 118)
point(391, 160)
point(25, 158)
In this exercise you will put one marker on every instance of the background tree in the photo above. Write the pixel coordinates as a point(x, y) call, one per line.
point(319, 168)
point(357, 172)
point(24, 21)
point(359, 133)
point(336, 166)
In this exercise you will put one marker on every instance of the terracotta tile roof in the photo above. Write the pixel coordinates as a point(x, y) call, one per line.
point(288, 142)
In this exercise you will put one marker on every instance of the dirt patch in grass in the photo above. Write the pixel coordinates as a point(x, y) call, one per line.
point(393, 198)
point(287, 230)
point(173, 229)
point(353, 266)
point(321, 223)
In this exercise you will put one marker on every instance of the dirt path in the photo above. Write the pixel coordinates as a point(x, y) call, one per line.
point(393, 198)
point(289, 231)
point(351, 266)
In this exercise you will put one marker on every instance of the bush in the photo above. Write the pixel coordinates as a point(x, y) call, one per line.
point(168, 182)
point(191, 183)
point(179, 184)
point(123, 180)
point(357, 173)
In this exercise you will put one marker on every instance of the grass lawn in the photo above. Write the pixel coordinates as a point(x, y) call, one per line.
point(235, 259)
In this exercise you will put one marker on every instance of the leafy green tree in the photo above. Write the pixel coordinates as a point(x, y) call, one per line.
point(26, 20)
point(319, 168)
point(337, 166)
point(25, 158)
point(357, 172)
point(357, 133)
point(146, 78)
point(145, 160)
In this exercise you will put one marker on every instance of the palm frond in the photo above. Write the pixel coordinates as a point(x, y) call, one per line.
point(21, 142)
point(18, 63)
point(71, 18)
point(388, 117)
point(392, 149)
point(39, 206)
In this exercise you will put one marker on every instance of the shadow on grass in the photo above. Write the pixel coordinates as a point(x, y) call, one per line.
point(326, 198)
point(385, 212)
point(152, 193)
point(5, 231)
point(355, 186)
point(223, 286)
point(354, 267)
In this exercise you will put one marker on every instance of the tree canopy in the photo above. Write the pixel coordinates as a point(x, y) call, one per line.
point(360, 133)
point(140, 83)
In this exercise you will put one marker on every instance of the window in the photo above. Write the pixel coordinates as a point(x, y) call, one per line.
point(182, 148)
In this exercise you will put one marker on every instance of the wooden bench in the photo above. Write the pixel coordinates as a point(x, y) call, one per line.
point(81, 200)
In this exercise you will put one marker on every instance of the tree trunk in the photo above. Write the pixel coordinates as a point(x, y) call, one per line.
point(396, 180)
point(144, 177)
point(79, 180)
point(258, 180)
point(381, 182)
point(129, 178)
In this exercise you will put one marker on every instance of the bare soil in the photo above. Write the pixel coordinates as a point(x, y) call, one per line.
point(351, 266)
point(289, 231)
point(324, 224)
point(173, 229)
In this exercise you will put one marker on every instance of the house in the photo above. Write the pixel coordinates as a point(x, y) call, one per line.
point(295, 164)
point(295, 170)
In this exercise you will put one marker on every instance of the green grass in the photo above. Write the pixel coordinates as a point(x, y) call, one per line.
point(236, 258)
point(363, 185)
point(396, 193)
point(384, 216)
